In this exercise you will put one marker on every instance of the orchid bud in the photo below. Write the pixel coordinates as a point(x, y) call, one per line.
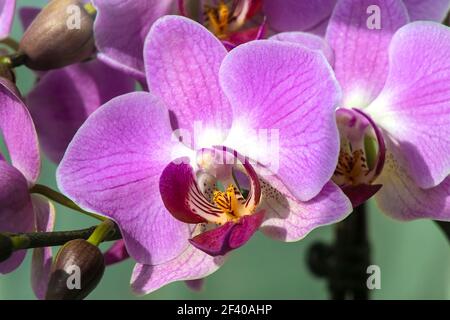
point(6, 247)
point(76, 271)
point(60, 35)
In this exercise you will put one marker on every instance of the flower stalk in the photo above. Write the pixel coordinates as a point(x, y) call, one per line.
point(345, 262)
point(50, 239)
point(62, 200)
point(101, 232)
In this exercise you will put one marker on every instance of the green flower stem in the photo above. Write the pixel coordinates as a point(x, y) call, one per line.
point(50, 239)
point(13, 60)
point(62, 200)
point(101, 232)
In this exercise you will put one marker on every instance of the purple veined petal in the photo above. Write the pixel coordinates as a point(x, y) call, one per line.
point(112, 167)
point(230, 236)
point(288, 219)
point(307, 40)
point(117, 253)
point(413, 107)
point(120, 29)
point(16, 210)
point(195, 285)
point(19, 132)
point(290, 94)
point(361, 48)
point(27, 15)
point(182, 61)
point(7, 8)
point(41, 262)
point(190, 265)
point(435, 10)
point(402, 199)
point(297, 15)
point(63, 99)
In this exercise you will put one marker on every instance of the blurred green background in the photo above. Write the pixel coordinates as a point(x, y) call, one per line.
point(414, 257)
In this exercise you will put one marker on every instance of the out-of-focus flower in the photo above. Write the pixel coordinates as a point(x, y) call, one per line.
point(63, 99)
point(232, 21)
point(7, 9)
point(128, 148)
point(120, 28)
point(398, 134)
point(116, 253)
point(20, 211)
point(313, 16)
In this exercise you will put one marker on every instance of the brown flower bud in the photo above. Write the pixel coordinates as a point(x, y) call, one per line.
point(60, 35)
point(6, 247)
point(76, 271)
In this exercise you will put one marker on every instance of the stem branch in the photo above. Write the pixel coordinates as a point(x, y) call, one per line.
point(62, 200)
point(58, 238)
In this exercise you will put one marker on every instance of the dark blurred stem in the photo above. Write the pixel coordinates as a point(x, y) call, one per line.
point(351, 257)
point(445, 227)
point(51, 239)
point(344, 263)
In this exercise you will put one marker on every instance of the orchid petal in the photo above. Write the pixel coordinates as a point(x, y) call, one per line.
point(7, 8)
point(120, 29)
point(42, 257)
point(190, 265)
point(289, 92)
point(27, 15)
point(360, 48)
point(307, 40)
point(182, 60)
point(402, 199)
point(16, 210)
point(435, 10)
point(288, 219)
point(19, 133)
point(297, 15)
point(113, 166)
point(117, 253)
point(64, 98)
point(414, 106)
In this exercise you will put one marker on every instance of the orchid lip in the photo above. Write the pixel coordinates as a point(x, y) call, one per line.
point(226, 19)
point(209, 194)
point(190, 201)
point(363, 150)
point(230, 236)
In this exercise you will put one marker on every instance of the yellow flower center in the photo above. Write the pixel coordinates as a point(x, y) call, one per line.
point(223, 20)
point(231, 203)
